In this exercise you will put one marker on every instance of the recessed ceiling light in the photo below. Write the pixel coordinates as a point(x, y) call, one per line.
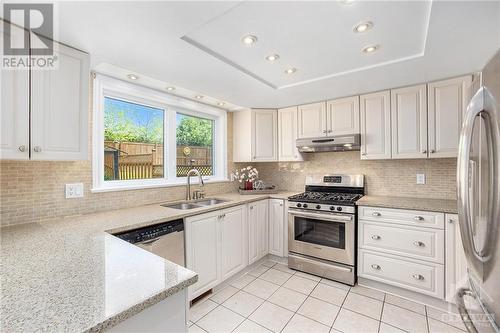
point(220, 103)
point(249, 39)
point(291, 70)
point(272, 57)
point(132, 76)
point(170, 88)
point(363, 26)
point(198, 96)
point(346, 2)
point(370, 48)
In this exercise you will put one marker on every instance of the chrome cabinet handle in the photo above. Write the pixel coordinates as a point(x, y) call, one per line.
point(375, 237)
point(37, 149)
point(418, 277)
point(22, 148)
point(375, 266)
point(418, 218)
point(376, 214)
point(419, 244)
point(363, 154)
point(432, 151)
point(424, 151)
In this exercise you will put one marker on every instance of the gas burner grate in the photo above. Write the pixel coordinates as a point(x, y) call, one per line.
point(325, 197)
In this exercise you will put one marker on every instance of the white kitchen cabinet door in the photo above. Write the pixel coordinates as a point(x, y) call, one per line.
point(14, 104)
point(312, 120)
point(276, 226)
point(375, 126)
point(287, 135)
point(265, 135)
point(234, 240)
point(447, 102)
point(342, 116)
point(263, 228)
point(59, 106)
point(202, 251)
point(257, 230)
point(409, 122)
point(456, 263)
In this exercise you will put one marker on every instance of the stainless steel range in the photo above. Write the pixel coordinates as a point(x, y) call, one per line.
point(322, 227)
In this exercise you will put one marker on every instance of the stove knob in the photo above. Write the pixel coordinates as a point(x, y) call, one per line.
point(332, 207)
point(305, 206)
point(318, 206)
point(299, 205)
point(339, 209)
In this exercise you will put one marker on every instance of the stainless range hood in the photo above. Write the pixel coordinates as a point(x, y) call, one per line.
point(329, 143)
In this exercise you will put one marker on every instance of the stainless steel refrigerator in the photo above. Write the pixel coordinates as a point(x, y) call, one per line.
point(478, 181)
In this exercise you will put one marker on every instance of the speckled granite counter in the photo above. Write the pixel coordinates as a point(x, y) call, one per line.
point(431, 205)
point(71, 275)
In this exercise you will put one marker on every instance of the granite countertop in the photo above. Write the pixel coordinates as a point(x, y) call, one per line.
point(427, 204)
point(69, 274)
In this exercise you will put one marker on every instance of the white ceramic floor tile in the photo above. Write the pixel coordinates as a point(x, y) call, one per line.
point(224, 294)
point(308, 276)
point(201, 309)
point(335, 284)
point(249, 326)
point(268, 263)
point(261, 288)
point(329, 294)
point(284, 268)
point(386, 328)
point(275, 276)
point(368, 292)
point(352, 322)
point(258, 271)
point(220, 320)
point(271, 316)
point(300, 324)
point(365, 305)
point(196, 329)
point(287, 298)
point(243, 303)
point(319, 310)
point(404, 303)
point(451, 317)
point(404, 319)
point(300, 284)
point(243, 281)
point(435, 326)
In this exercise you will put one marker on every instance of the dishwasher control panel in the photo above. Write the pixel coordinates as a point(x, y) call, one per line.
point(151, 232)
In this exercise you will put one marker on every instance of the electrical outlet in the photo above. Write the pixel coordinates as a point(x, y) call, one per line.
point(421, 178)
point(74, 190)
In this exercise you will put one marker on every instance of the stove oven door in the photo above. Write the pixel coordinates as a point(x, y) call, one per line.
point(328, 236)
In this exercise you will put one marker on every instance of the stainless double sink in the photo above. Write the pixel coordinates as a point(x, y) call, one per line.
point(195, 204)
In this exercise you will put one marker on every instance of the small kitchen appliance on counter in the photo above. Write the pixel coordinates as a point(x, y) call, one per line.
point(322, 227)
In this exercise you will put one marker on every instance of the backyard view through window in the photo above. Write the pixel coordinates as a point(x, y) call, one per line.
point(195, 137)
point(133, 140)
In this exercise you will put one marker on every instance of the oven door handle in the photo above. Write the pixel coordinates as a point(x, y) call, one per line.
point(327, 216)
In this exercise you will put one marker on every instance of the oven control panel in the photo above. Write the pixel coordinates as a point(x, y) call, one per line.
point(322, 207)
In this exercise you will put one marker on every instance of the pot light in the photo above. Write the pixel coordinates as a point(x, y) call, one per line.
point(291, 70)
point(346, 2)
point(221, 103)
point(362, 27)
point(370, 48)
point(198, 96)
point(132, 77)
point(170, 88)
point(249, 39)
point(272, 57)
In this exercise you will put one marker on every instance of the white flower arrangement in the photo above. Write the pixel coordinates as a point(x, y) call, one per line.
point(247, 174)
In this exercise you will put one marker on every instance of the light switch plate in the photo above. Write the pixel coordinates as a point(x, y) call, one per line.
point(74, 190)
point(420, 178)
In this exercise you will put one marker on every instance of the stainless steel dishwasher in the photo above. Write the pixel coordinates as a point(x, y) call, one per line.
point(165, 240)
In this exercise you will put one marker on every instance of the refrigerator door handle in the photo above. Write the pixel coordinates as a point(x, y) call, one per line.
point(462, 310)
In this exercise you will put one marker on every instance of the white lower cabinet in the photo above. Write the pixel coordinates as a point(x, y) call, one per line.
point(276, 227)
point(456, 263)
point(258, 226)
point(233, 241)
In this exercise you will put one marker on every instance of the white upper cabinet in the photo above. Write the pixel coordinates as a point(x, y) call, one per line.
point(447, 103)
point(287, 135)
point(312, 120)
point(409, 122)
point(14, 103)
point(375, 125)
point(59, 106)
point(342, 116)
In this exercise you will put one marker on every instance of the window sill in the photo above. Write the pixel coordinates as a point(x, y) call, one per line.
point(111, 188)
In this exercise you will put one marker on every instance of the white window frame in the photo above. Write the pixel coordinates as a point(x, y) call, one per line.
point(105, 86)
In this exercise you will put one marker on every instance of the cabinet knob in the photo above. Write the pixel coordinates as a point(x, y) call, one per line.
point(37, 149)
point(251, 207)
point(324, 131)
point(424, 151)
point(375, 237)
point(418, 277)
point(450, 221)
point(281, 205)
point(418, 218)
point(363, 154)
point(330, 131)
point(22, 148)
point(375, 266)
point(419, 244)
point(432, 151)
point(376, 214)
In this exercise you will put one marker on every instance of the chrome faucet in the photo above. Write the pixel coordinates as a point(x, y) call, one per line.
point(199, 193)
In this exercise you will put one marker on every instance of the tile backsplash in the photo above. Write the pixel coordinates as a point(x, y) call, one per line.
point(382, 177)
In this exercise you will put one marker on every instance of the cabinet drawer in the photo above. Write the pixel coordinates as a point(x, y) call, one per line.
point(400, 216)
point(423, 277)
point(414, 242)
